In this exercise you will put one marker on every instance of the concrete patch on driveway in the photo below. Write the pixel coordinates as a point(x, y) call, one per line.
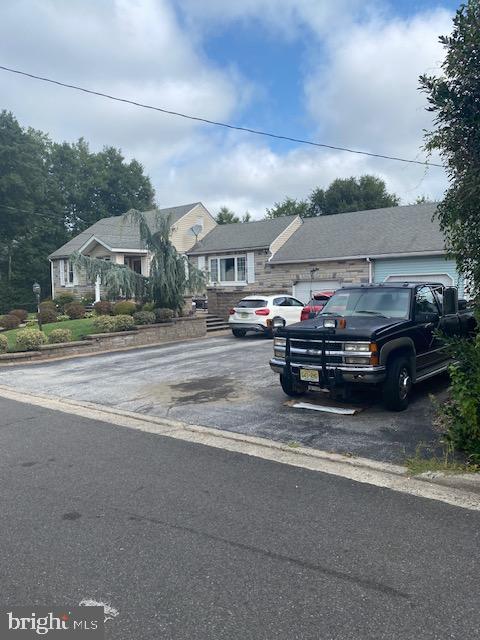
point(226, 383)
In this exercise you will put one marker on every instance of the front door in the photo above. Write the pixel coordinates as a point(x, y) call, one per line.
point(427, 318)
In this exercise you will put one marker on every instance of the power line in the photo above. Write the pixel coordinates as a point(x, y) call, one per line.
point(218, 124)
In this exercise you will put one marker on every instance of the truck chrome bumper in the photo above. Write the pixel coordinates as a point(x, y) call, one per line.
point(370, 375)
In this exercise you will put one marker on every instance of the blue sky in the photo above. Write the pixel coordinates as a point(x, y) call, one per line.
point(343, 72)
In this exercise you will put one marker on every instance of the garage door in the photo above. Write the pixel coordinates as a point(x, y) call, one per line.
point(444, 278)
point(301, 290)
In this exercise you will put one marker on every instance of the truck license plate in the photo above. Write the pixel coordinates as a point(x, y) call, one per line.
point(309, 375)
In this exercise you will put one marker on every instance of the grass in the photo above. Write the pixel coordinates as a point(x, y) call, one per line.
point(434, 463)
point(79, 328)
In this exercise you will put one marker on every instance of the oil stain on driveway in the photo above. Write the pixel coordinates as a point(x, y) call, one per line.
point(226, 383)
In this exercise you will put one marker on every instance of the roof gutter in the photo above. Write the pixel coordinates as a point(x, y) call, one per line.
point(377, 256)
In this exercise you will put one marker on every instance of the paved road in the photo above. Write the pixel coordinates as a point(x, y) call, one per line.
point(226, 383)
point(192, 542)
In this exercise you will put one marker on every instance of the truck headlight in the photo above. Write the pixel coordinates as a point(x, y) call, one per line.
point(279, 342)
point(356, 346)
point(357, 360)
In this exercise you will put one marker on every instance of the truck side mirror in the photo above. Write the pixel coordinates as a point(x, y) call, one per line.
point(450, 300)
point(462, 304)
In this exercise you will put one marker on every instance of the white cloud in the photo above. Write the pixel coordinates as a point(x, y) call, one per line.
point(360, 80)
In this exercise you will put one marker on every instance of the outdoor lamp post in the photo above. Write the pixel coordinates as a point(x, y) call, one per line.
point(37, 289)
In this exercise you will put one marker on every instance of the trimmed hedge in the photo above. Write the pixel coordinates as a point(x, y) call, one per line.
point(162, 314)
point(47, 304)
point(60, 335)
point(124, 322)
point(75, 310)
point(48, 314)
point(144, 317)
point(22, 314)
point(103, 308)
point(124, 307)
point(63, 299)
point(30, 339)
point(9, 321)
point(3, 344)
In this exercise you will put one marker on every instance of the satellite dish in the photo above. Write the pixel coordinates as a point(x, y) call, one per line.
point(195, 230)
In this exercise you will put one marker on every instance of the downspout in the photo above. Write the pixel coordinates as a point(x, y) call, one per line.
point(52, 279)
point(370, 270)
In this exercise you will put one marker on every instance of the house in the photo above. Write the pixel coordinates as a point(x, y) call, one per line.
point(236, 259)
point(291, 255)
point(118, 240)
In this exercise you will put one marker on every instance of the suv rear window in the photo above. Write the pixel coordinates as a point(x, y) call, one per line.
point(251, 304)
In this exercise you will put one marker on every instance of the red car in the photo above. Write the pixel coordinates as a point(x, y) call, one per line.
point(316, 304)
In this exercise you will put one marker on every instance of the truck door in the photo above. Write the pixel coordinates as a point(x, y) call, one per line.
point(427, 319)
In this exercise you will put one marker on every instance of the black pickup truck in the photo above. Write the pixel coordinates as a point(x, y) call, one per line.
point(382, 334)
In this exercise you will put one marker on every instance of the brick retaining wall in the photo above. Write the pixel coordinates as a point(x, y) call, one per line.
point(142, 336)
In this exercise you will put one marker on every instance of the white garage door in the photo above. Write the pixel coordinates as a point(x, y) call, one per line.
point(301, 290)
point(444, 278)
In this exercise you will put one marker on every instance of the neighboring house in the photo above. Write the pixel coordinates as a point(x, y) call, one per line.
point(301, 256)
point(118, 240)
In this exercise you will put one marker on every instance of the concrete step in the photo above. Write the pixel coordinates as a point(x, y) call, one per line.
point(214, 323)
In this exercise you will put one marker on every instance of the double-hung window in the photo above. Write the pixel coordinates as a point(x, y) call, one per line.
point(67, 273)
point(228, 269)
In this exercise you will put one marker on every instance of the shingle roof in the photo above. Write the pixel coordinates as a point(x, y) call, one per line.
point(117, 232)
point(242, 235)
point(376, 232)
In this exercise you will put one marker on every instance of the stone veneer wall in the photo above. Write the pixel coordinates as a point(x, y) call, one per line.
point(180, 329)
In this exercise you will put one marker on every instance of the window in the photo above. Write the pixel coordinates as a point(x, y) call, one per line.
point(228, 269)
point(388, 302)
point(67, 274)
point(425, 302)
point(250, 303)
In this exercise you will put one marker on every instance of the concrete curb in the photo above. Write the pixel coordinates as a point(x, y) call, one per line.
point(364, 470)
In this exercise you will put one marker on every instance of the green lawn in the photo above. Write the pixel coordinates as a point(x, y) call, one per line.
point(79, 328)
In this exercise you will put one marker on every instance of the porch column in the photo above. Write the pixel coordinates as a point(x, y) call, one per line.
point(97, 289)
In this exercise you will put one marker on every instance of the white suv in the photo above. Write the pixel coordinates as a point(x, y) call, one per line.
point(257, 313)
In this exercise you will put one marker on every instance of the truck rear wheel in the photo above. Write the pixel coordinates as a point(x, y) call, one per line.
point(292, 388)
point(398, 384)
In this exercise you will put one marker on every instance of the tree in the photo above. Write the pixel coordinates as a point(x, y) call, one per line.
point(454, 99)
point(171, 276)
point(226, 216)
point(352, 194)
point(288, 207)
point(48, 193)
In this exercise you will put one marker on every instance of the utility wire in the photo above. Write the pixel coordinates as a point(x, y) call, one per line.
point(218, 124)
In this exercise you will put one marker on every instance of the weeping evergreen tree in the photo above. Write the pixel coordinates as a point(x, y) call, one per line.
point(171, 275)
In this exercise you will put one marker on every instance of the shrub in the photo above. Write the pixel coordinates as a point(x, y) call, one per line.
point(60, 335)
point(103, 308)
point(104, 324)
point(125, 307)
point(163, 314)
point(47, 304)
point(144, 317)
point(87, 299)
point(3, 344)
point(29, 339)
point(461, 416)
point(124, 322)
point(22, 314)
point(9, 321)
point(148, 306)
point(47, 314)
point(62, 317)
point(63, 299)
point(75, 310)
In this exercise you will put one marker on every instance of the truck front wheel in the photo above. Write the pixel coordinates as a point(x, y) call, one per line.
point(292, 388)
point(398, 384)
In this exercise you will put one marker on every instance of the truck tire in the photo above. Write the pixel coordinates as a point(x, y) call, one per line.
point(239, 333)
point(398, 384)
point(291, 388)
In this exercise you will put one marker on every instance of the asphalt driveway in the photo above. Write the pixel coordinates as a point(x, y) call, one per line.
point(226, 383)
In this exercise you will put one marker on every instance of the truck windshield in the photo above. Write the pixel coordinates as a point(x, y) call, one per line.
point(389, 303)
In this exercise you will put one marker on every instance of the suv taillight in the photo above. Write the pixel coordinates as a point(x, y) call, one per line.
point(231, 311)
point(305, 315)
point(262, 312)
